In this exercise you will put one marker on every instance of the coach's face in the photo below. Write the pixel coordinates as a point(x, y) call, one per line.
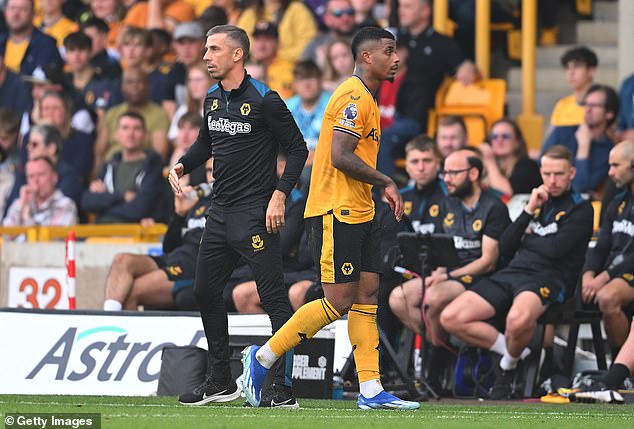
point(620, 171)
point(385, 60)
point(557, 175)
point(221, 55)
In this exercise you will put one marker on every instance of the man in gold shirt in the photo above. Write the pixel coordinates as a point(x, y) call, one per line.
point(341, 226)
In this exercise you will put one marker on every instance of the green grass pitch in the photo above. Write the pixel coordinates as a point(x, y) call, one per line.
point(164, 412)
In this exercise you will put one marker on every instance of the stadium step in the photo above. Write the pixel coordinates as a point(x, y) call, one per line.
point(552, 78)
point(597, 32)
point(551, 56)
point(606, 10)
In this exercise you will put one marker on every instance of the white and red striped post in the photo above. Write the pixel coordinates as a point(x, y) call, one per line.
point(70, 269)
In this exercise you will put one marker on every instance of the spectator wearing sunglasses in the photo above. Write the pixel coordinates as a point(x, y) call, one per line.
point(590, 141)
point(509, 169)
point(295, 22)
point(340, 24)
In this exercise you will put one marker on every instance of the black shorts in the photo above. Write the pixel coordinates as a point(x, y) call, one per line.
point(501, 288)
point(179, 267)
point(467, 281)
point(628, 278)
point(342, 250)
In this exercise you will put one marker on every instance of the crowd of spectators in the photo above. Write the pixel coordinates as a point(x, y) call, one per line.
point(97, 98)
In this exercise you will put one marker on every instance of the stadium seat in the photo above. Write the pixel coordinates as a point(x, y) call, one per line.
point(479, 105)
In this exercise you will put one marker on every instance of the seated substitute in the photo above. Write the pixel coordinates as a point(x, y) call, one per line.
point(608, 275)
point(476, 219)
point(166, 281)
point(545, 246)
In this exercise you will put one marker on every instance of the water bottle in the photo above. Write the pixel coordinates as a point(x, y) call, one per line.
point(337, 386)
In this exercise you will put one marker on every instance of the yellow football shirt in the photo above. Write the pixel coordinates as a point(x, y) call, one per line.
point(567, 112)
point(14, 54)
point(352, 109)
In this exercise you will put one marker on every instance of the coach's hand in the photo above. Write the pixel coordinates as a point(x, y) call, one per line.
point(394, 198)
point(275, 212)
point(176, 172)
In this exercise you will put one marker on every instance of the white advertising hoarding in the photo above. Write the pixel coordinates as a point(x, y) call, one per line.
point(79, 353)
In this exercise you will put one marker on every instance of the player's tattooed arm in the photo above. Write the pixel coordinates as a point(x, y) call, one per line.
point(345, 160)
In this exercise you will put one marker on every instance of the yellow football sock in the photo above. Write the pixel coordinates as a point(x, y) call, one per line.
point(305, 323)
point(364, 337)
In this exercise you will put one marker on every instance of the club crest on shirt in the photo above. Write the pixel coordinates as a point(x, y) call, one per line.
point(257, 243)
point(433, 210)
point(214, 105)
point(407, 207)
point(621, 207)
point(352, 97)
point(477, 225)
point(245, 109)
point(559, 215)
point(351, 111)
point(628, 276)
point(449, 219)
point(175, 270)
point(544, 292)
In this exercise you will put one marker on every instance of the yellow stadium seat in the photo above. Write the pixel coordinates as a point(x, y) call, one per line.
point(479, 105)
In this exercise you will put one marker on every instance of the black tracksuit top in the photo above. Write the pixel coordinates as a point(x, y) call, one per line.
point(243, 129)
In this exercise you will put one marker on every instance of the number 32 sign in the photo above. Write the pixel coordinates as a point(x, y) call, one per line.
point(38, 288)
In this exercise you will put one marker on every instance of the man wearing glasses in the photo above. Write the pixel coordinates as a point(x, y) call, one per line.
point(543, 252)
point(590, 142)
point(476, 219)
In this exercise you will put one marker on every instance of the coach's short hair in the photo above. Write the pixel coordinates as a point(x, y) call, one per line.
point(423, 144)
point(235, 34)
point(367, 34)
point(559, 151)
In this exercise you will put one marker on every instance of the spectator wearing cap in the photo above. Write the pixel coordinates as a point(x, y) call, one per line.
point(104, 61)
point(165, 14)
point(295, 21)
point(53, 22)
point(188, 43)
point(309, 103)
point(40, 201)
point(51, 78)
point(265, 51)
point(15, 94)
point(24, 47)
point(340, 24)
